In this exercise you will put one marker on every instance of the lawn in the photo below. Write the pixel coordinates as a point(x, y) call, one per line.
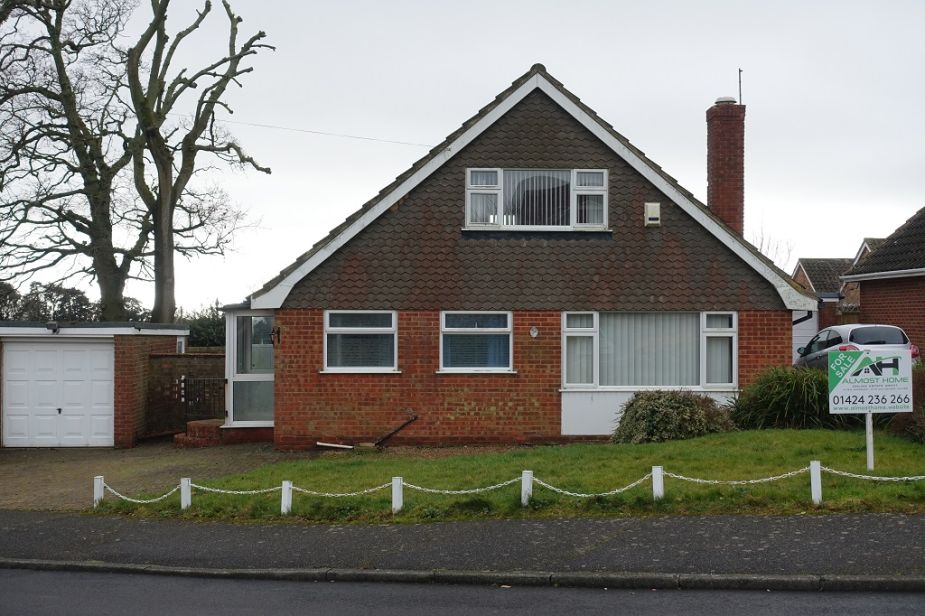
point(585, 468)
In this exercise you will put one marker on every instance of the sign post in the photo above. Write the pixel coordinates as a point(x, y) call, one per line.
point(870, 382)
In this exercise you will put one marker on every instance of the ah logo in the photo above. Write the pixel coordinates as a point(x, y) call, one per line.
point(876, 368)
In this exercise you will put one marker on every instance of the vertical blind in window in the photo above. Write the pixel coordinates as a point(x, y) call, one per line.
point(537, 197)
point(650, 349)
point(579, 360)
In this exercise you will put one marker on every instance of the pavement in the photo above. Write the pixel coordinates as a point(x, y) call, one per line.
point(871, 552)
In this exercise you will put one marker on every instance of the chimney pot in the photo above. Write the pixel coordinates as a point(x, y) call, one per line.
point(725, 100)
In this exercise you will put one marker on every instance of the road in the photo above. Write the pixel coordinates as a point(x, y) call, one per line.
point(40, 593)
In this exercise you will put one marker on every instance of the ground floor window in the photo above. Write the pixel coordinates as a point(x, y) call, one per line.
point(360, 341)
point(475, 341)
point(649, 349)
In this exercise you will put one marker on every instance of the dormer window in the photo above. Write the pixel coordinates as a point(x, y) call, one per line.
point(536, 199)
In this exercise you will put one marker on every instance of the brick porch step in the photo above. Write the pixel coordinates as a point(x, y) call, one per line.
point(201, 433)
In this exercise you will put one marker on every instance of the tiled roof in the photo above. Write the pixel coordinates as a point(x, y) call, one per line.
point(874, 242)
point(903, 250)
point(442, 149)
point(823, 273)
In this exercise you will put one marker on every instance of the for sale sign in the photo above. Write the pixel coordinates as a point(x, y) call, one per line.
point(870, 382)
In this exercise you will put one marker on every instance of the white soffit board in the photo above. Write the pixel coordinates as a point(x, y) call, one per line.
point(793, 299)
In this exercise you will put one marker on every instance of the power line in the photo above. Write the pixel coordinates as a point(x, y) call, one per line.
point(325, 133)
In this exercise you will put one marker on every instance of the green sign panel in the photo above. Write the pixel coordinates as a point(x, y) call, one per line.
point(870, 382)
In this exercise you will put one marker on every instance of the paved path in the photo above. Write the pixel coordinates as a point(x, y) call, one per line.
point(862, 544)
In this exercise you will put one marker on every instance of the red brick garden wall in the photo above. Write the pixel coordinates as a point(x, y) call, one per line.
point(899, 301)
point(131, 355)
point(452, 408)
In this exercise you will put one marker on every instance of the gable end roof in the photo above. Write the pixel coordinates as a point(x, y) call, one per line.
point(823, 274)
point(900, 255)
point(275, 291)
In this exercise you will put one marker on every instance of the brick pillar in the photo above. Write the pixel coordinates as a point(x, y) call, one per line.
point(726, 162)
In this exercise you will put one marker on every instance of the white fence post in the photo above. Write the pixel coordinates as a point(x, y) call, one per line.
point(526, 487)
point(285, 505)
point(397, 496)
point(97, 490)
point(815, 481)
point(658, 483)
point(186, 493)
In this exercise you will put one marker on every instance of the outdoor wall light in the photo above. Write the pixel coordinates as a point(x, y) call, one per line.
point(534, 332)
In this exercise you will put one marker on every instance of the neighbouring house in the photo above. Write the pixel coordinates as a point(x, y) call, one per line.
point(517, 284)
point(849, 308)
point(78, 384)
point(892, 280)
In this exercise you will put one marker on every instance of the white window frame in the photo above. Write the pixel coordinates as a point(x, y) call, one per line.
point(719, 332)
point(498, 190)
point(509, 330)
point(361, 330)
point(581, 332)
point(728, 332)
point(231, 367)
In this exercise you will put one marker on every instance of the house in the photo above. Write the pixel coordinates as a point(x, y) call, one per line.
point(850, 304)
point(517, 284)
point(892, 280)
point(821, 278)
point(78, 384)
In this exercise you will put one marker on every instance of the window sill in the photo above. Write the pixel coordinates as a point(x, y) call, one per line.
point(359, 371)
point(247, 424)
point(538, 229)
point(475, 371)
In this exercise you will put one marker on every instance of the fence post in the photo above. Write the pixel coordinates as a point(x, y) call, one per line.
point(815, 481)
point(526, 487)
point(286, 500)
point(97, 490)
point(397, 497)
point(658, 483)
point(186, 493)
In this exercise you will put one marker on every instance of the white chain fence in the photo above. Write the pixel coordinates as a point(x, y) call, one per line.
point(614, 492)
point(872, 477)
point(527, 480)
point(738, 482)
point(497, 486)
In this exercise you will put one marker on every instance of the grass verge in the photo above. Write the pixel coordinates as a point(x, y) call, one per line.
point(578, 468)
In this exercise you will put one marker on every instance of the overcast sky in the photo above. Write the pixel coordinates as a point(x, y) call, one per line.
point(835, 94)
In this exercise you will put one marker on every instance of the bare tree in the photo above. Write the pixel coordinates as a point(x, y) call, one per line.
point(90, 166)
point(61, 147)
point(167, 162)
point(777, 250)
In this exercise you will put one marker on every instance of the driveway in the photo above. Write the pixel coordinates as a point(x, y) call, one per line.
point(62, 479)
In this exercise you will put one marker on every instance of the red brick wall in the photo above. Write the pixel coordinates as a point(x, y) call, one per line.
point(899, 301)
point(765, 339)
point(131, 380)
point(828, 314)
point(452, 408)
point(726, 163)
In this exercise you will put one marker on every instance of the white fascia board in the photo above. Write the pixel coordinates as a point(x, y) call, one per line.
point(907, 273)
point(274, 298)
point(86, 332)
point(793, 300)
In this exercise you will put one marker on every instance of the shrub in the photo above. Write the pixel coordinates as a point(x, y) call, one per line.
point(787, 398)
point(655, 416)
point(913, 424)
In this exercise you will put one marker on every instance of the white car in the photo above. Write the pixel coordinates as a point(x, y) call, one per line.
point(853, 337)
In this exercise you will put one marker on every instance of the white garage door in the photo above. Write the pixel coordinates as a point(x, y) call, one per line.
point(57, 394)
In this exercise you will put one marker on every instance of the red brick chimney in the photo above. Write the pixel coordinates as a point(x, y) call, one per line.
point(726, 162)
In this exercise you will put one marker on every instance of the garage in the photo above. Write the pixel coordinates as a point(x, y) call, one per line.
point(77, 385)
point(58, 394)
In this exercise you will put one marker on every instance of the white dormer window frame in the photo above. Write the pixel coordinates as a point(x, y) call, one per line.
point(485, 200)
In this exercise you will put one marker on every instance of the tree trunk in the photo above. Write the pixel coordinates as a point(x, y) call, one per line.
point(165, 304)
